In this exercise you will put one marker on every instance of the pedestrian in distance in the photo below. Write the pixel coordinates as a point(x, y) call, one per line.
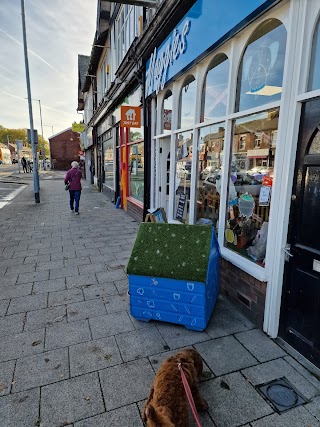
point(24, 165)
point(29, 166)
point(72, 183)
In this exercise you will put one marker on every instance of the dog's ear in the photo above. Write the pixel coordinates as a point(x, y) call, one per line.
point(158, 417)
point(150, 412)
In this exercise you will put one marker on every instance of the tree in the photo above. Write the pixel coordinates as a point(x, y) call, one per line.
point(22, 135)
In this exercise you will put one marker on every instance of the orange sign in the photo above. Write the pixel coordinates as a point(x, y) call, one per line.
point(130, 117)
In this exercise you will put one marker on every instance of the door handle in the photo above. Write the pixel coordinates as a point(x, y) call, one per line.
point(288, 255)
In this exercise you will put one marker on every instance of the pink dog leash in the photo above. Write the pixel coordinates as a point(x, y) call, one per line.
point(189, 395)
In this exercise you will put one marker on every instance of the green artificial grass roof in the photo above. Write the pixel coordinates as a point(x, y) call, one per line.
point(172, 251)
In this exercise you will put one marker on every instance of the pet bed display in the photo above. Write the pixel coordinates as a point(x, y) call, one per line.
point(174, 274)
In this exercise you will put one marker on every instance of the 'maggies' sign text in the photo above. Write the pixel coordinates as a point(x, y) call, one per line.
point(159, 64)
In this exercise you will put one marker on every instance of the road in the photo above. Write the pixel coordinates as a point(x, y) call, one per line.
point(8, 169)
point(8, 191)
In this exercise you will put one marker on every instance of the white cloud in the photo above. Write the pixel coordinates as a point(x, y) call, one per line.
point(56, 33)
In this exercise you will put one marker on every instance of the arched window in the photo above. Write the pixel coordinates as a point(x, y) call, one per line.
point(187, 103)
point(261, 70)
point(314, 76)
point(314, 147)
point(167, 113)
point(214, 96)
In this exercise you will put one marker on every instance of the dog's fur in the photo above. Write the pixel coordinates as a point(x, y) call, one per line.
point(167, 405)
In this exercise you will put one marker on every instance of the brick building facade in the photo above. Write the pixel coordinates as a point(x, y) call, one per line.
point(64, 148)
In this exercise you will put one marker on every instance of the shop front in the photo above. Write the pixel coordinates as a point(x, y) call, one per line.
point(121, 144)
point(226, 113)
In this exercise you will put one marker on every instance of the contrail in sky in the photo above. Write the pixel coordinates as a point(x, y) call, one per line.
point(29, 50)
point(42, 105)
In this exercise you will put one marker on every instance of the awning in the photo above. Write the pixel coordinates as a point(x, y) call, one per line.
point(258, 153)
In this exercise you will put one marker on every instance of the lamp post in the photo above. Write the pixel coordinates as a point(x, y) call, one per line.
point(33, 99)
point(8, 141)
point(34, 149)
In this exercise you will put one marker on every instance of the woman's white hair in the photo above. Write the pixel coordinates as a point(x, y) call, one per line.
point(74, 164)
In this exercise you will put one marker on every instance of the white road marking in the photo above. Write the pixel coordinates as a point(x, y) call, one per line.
point(7, 199)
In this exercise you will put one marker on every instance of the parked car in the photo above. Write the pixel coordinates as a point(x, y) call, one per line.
point(14, 161)
point(244, 183)
point(209, 170)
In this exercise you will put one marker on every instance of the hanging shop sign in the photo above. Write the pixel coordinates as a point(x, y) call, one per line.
point(190, 40)
point(130, 117)
point(78, 127)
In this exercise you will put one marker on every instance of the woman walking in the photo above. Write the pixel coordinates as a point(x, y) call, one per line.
point(72, 181)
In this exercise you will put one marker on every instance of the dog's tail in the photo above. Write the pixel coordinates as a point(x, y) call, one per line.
point(157, 417)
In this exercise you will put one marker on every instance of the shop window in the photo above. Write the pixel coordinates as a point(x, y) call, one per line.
point(210, 153)
point(108, 163)
point(214, 97)
point(250, 184)
point(167, 113)
point(261, 70)
point(183, 172)
point(314, 76)
point(187, 103)
point(136, 171)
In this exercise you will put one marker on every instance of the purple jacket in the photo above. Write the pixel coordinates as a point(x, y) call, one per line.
point(73, 176)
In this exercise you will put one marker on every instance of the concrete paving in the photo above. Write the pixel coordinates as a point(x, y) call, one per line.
point(72, 355)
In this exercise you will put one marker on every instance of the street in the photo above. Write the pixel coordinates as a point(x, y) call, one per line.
point(8, 191)
point(8, 169)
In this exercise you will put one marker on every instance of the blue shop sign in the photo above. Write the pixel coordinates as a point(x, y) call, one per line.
point(205, 26)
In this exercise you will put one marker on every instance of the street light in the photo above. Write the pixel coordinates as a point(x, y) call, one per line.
point(34, 149)
point(8, 141)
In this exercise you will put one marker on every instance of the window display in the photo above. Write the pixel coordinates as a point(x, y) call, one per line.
point(108, 163)
point(136, 171)
point(250, 184)
point(261, 72)
point(183, 171)
point(210, 153)
point(215, 89)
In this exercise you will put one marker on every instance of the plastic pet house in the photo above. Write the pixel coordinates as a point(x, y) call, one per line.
point(174, 274)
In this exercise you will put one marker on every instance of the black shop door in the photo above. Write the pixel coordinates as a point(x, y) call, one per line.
point(300, 317)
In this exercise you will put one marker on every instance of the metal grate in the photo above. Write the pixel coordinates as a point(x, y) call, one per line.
point(281, 394)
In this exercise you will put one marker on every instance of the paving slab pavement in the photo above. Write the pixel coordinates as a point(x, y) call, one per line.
point(70, 352)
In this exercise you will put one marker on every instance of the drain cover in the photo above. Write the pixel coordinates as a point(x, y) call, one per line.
point(281, 394)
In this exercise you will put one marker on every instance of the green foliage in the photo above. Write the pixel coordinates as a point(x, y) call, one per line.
point(21, 134)
point(171, 251)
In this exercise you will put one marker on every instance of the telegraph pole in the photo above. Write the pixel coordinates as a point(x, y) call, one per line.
point(34, 149)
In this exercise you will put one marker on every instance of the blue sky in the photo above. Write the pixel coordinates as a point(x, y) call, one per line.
point(57, 31)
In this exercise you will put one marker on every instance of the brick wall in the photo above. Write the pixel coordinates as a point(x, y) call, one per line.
point(135, 211)
point(64, 148)
point(243, 290)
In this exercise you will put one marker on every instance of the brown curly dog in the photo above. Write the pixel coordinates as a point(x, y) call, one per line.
point(167, 404)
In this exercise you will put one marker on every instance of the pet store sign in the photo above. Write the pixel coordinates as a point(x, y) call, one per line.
point(161, 60)
point(207, 25)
